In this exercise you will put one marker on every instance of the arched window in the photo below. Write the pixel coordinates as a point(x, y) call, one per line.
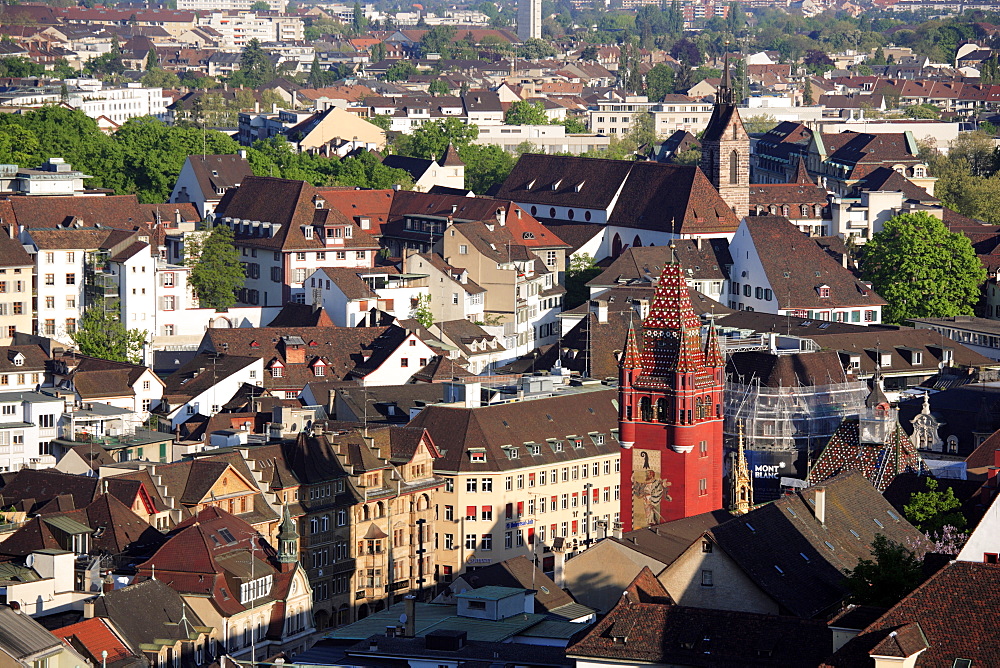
point(379, 509)
point(734, 167)
point(616, 246)
point(637, 242)
point(646, 409)
point(661, 410)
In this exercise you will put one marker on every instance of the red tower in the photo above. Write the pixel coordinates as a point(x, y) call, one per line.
point(670, 412)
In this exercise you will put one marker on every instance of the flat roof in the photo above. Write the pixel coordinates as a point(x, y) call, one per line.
point(8, 397)
point(432, 617)
point(969, 323)
point(490, 593)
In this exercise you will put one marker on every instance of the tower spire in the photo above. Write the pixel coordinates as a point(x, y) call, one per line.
point(713, 352)
point(740, 484)
point(630, 358)
point(726, 87)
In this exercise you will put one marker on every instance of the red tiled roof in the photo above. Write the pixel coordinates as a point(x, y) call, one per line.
point(95, 636)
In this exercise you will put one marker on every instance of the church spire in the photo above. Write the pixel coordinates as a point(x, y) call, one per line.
point(288, 541)
point(725, 93)
point(630, 358)
point(740, 483)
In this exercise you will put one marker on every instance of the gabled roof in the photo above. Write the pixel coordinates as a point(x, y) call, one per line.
point(888, 179)
point(643, 264)
point(22, 638)
point(787, 370)
point(218, 173)
point(149, 613)
point(12, 253)
point(782, 250)
point(925, 620)
point(517, 573)
point(799, 561)
point(644, 629)
point(121, 212)
point(498, 428)
point(93, 637)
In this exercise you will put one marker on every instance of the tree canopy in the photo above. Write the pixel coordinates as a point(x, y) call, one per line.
point(101, 333)
point(894, 572)
point(921, 269)
point(216, 271)
point(931, 510)
point(526, 112)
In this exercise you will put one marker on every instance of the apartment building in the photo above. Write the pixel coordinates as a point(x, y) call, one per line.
point(454, 296)
point(523, 477)
point(16, 309)
point(28, 423)
point(680, 112)
point(238, 28)
point(117, 104)
point(284, 231)
point(615, 116)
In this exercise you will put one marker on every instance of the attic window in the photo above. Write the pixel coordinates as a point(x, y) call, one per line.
point(962, 663)
point(823, 291)
point(254, 344)
point(855, 534)
point(579, 186)
point(528, 235)
point(477, 456)
point(531, 184)
point(877, 523)
point(828, 544)
point(803, 555)
point(555, 186)
point(512, 453)
point(778, 568)
point(893, 515)
point(750, 526)
point(557, 446)
point(227, 535)
point(308, 232)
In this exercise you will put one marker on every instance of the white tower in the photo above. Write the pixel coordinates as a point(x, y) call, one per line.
point(529, 19)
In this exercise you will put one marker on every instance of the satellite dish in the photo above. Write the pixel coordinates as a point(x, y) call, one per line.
point(402, 618)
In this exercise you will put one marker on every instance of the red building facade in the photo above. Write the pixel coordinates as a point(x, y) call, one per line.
point(670, 412)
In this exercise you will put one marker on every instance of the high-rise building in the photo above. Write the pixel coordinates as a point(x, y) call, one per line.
point(670, 412)
point(529, 19)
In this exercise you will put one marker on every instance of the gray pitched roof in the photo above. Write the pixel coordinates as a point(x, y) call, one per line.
point(22, 637)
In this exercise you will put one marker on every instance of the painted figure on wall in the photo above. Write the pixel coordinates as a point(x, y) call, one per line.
point(648, 489)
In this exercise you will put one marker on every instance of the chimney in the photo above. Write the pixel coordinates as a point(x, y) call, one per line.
point(243, 153)
point(820, 505)
point(559, 571)
point(697, 241)
point(177, 217)
point(600, 307)
point(10, 231)
point(88, 610)
point(502, 217)
point(410, 625)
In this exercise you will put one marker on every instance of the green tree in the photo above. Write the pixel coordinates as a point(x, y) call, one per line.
point(486, 165)
point(431, 139)
point(932, 510)
point(582, 268)
point(401, 70)
point(359, 22)
point(921, 269)
point(863, 70)
point(437, 87)
point(884, 581)
point(378, 53)
point(102, 334)
point(535, 49)
point(260, 6)
point(659, 81)
point(160, 78)
point(573, 125)
point(422, 313)
point(760, 123)
point(18, 146)
point(255, 65)
point(382, 121)
point(317, 76)
point(925, 111)
point(692, 156)
point(526, 112)
point(152, 62)
point(217, 273)
point(807, 93)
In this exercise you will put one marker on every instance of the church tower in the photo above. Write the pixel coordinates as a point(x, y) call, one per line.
point(288, 542)
point(725, 149)
point(670, 412)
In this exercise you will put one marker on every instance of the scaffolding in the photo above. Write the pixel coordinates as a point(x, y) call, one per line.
point(801, 418)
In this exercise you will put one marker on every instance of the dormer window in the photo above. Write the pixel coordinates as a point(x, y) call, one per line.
point(308, 231)
point(18, 360)
point(823, 291)
point(528, 235)
point(319, 202)
point(579, 186)
point(319, 367)
point(348, 232)
point(277, 369)
point(477, 456)
point(555, 186)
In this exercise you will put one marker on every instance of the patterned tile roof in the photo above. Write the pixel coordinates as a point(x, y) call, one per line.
point(671, 330)
point(880, 461)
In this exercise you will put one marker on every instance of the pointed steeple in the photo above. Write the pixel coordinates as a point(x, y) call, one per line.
point(740, 483)
point(802, 174)
point(288, 541)
point(713, 352)
point(450, 157)
point(725, 92)
point(630, 358)
point(671, 340)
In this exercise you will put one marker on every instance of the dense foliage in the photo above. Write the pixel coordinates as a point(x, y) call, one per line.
point(921, 269)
